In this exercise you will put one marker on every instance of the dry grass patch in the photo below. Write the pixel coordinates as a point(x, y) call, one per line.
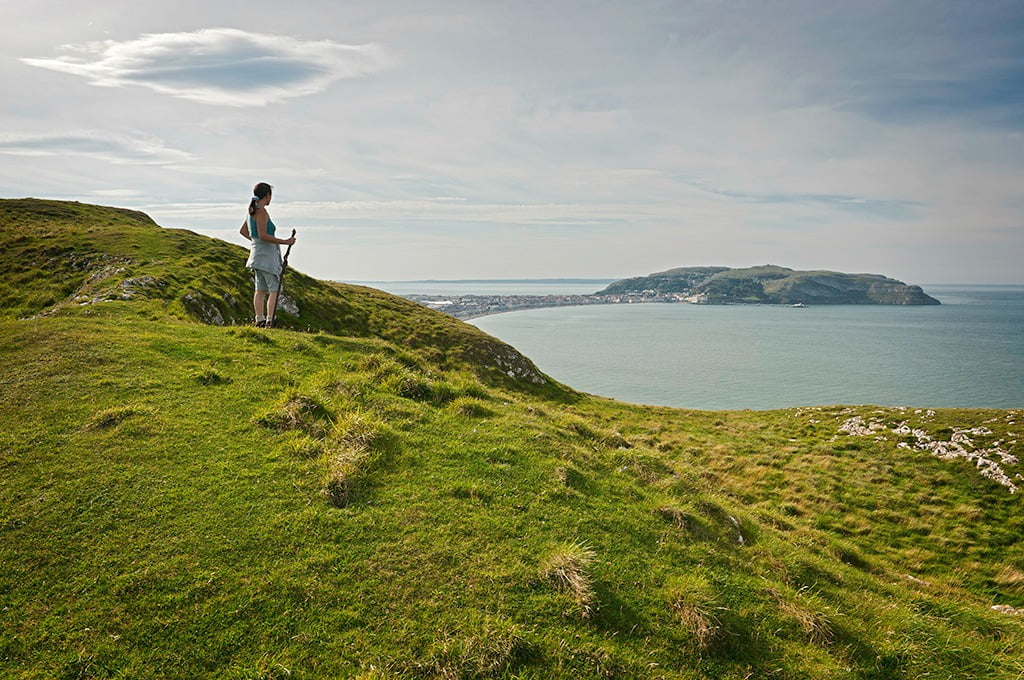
point(646, 466)
point(361, 430)
point(112, 417)
point(693, 602)
point(300, 411)
point(675, 516)
point(568, 570)
point(344, 468)
point(572, 478)
point(210, 376)
point(1010, 577)
point(304, 446)
point(815, 624)
point(474, 408)
point(253, 335)
point(596, 438)
point(354, 446)
point(492, 649)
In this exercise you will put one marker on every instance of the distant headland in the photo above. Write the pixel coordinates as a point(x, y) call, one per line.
point(765, 285)
point(774, 285)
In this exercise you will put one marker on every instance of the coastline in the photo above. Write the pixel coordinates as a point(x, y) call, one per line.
point(466, 307)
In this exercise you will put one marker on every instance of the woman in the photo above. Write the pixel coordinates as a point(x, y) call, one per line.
point(264, 253)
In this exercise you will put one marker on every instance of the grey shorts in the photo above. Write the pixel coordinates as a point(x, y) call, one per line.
point(266, 281)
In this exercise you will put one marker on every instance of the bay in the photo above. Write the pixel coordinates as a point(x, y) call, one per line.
point(968, 352)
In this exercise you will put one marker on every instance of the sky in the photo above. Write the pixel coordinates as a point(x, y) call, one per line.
point(450, 140)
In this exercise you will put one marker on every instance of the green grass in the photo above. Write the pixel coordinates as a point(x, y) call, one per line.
point(180, 499)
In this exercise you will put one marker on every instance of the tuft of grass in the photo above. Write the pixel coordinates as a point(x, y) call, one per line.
point(300, 411)
point(112, 417)
point(472, 493)
point(410, 385)
point(361, 430)
point(567, 569)
point(694, 604)
point(472, 407)
point(849, 554)
point(467, 385)
point(210, 376)
point(354, 447)
point(1011, 577)
point(678, 517)
point(647, 466)
point(304, 446)
point(791, 510)
point(252, 335)
point(595, 437)
point(345, 466)
point(305, 347)
point(493, 648)
point(571, 477)
point(814, 623)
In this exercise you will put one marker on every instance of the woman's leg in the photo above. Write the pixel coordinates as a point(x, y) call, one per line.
point(259, 303)
point(271, 303)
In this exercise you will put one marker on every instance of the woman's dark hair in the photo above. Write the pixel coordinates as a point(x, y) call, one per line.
point(260, 191)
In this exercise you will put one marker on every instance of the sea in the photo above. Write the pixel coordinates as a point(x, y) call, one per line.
point(967, 352)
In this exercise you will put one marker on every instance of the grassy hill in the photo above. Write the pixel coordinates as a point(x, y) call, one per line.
point(60, 257)
point(376, 497)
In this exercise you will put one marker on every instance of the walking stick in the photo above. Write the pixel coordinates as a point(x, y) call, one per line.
point(280, 282)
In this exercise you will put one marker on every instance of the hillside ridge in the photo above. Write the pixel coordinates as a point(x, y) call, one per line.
point(64, 256)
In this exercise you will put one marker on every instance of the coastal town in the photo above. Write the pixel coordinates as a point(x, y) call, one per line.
point(473, 306)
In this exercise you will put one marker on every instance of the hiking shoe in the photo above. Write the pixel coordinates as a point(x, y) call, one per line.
point(260, 323)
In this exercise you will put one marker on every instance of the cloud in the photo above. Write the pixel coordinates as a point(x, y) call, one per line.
point(433, 211)
point(885, 208)
point(117, 193)
point(111, 147)
point(221, 66)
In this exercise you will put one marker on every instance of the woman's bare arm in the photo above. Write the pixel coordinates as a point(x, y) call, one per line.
point(261, 228)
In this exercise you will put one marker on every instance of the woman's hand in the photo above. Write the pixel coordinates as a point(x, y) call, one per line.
point(288, 241)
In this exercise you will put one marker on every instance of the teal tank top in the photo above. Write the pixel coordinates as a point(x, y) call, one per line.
point(262, 255)
point(271, 229)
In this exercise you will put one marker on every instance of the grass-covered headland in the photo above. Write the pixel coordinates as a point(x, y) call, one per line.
point(380, 491)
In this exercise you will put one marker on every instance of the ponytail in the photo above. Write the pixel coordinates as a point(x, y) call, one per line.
point(260, 191)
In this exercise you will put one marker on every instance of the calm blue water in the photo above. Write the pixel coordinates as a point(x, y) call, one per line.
point(968, 352)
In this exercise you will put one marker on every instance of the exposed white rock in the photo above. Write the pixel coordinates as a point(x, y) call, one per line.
point(288, 305)
point(959, 446)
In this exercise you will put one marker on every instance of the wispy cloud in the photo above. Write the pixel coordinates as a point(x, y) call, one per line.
point(433, 210)
point(220, 66)
point(885, 208)
point(107, 146)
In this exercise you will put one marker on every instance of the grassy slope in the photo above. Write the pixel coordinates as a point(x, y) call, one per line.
point(59, 255)
point(182, 500)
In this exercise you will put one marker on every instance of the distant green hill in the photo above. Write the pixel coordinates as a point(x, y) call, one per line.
point(775, 285)
point(376, 497)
